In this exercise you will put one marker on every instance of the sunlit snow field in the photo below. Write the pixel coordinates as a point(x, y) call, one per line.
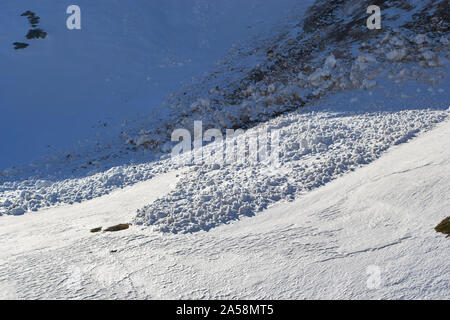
point(347, 210)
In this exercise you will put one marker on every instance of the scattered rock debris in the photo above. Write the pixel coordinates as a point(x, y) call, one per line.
point(34, 33)
point(119, 227)
point(20, 45)
point(444, 227)
point(33, 19)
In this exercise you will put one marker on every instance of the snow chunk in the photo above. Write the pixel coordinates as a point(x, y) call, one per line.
point(396, 54)
point(330, 62)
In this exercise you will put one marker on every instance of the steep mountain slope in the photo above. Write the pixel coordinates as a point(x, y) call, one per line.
point(367, 235)
point(345, 208)
point(379, 77)
point(327, 50)
point(125, 60)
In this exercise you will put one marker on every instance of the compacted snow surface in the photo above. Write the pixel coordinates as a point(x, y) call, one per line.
point(368, 234)
point(345, 209)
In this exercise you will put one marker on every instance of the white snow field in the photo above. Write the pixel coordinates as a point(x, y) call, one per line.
point(347, 211)
point(368, 234)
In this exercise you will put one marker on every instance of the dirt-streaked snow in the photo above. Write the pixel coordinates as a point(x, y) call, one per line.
point(368, 234)
point(125, 60)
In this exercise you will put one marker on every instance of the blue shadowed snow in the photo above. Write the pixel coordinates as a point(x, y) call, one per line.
point(127, 58)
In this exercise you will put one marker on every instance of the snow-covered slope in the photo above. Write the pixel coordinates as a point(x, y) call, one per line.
point(347, 211)
point(125, 60)
point(368, 234)
point(404, 66)
point(316, 147)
